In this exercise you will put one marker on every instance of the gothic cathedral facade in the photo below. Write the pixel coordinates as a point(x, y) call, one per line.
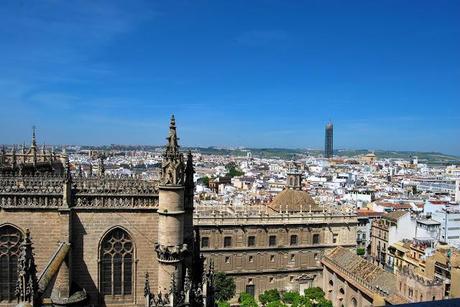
point(74, 240)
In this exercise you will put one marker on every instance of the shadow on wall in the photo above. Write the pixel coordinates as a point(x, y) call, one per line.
point(80, 272)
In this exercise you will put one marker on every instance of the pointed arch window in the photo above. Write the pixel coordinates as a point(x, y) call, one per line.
point(116, 269)
point(10, 241)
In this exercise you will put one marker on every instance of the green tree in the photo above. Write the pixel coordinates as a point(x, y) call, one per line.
point(315, 293)
point(360, 251)
point(276, 304)
point(268, 296)
point(224, 287)
point(205, 181)
point(223, 304)
point(324, 303)
point(233, 170)
point(291, 297)
point(247, 300)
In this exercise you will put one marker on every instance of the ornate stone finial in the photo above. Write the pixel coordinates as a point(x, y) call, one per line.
point(3, 155)
point(173, 283)
point(34, 140)
point(27, 285)
point(172, 138)
point(187, 280)
point(13, 156)
point(211, 267)
point(147, 285)
point(51, 155)
point(172, 169)
point(189, 170)
point(68, 173)
point(101, 166)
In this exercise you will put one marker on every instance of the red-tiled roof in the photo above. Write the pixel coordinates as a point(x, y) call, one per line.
point(362, 212)
point(395, 215)
point(395, 205)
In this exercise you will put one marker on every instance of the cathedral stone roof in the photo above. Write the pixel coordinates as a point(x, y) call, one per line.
point(290, 200)
point(381, 283)
point(366, 271)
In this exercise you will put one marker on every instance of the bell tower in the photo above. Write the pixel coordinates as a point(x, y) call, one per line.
point(294, 177)
point(170, 247)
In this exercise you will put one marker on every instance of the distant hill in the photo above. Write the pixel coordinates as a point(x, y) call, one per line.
point(290, 153)
point(423, 157)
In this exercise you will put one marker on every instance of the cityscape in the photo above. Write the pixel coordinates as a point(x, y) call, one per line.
point(292, 200)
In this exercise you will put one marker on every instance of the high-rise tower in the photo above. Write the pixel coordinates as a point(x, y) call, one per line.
point(329, 141)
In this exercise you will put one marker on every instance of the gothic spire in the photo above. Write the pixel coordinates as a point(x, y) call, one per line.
point(3, 152)
point(172, 138)
point(173, 167)
point(101, 166)
point(34, 140)
point(27, 285)
point(13, 156)
point(189, 171)
point(147, 285)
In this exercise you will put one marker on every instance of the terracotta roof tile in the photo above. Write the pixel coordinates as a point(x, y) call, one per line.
point(395, 215)
point(293, 201)
point(363, 269)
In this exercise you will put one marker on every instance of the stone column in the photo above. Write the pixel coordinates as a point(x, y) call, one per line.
point(62, 287)
point(170, 248)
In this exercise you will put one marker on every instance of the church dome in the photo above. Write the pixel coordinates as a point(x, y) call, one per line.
point(293, 201)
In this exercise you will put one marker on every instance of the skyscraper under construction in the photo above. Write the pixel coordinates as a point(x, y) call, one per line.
point(329, 141)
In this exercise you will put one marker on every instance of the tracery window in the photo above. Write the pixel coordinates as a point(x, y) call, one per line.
point(117, 263)
point(10, 240)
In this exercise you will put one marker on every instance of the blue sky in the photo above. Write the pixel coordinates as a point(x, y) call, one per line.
point(235, 73)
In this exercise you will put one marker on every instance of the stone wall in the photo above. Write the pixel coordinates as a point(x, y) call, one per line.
point(419, 290)
point(87, 228)
point(45, 230)
point(282, 266)
point(343, 293)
